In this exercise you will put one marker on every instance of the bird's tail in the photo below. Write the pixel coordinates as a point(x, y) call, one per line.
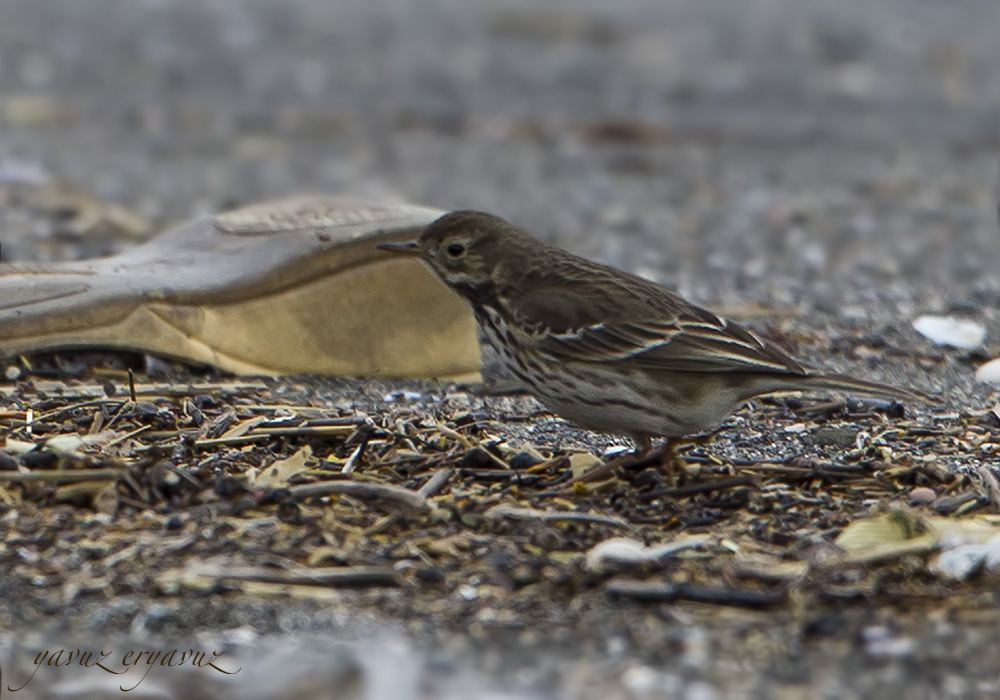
point(845, 384)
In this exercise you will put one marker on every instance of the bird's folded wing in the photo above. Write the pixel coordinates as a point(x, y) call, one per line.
point(683, 344)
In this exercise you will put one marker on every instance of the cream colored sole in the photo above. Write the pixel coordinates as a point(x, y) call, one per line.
point(286, 287)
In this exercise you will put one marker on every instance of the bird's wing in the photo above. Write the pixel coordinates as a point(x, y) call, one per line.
point(682, 339)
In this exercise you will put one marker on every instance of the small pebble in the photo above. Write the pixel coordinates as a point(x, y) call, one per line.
point(951, 332)
point(700, 690)
point(145, 411)
point(582, 462)
point(239, 636)
point(641, 681)
point(402, 396)
point(429, 575)
point(173, 523)
point(922, 495)
point(614, 450)
point(523, 575)
point(23, 172)
point(891, 647)
point(617, 647)
point(946, 505)
point(205, 401)
point(835, 436)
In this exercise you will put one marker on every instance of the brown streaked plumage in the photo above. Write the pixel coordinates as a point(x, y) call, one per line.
point(605, 349)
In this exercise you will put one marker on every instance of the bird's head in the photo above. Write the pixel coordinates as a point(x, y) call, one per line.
point(462, 247)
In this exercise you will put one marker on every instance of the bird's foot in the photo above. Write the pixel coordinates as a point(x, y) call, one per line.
point(663, 458)
point(666, 457)
point(671, 463)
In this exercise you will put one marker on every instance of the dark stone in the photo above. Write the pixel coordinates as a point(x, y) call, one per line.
point(523, 460)
point(7, 463)
point(476, 458)
point(40, 459)
point(842, 436)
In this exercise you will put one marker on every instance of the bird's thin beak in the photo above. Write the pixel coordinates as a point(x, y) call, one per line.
point(407, 248)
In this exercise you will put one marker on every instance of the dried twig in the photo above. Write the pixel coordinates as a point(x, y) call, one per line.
point(221, 508)
point(69, 476)
point(392, 496)
point(655, 592)
point(692, 489)
point(330, 576)
point(259, 434)
point(507, 512)
point(363, 434)
point(433, 485)
point(49, 415)
point(239, 440)
point(436, 482)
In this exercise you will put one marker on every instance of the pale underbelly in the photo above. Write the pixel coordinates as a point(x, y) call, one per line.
point(598, 398)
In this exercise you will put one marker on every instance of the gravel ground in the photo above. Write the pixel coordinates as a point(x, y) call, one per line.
point(834, 163)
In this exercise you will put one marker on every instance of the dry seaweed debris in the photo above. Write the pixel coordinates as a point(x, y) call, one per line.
point(230, 488)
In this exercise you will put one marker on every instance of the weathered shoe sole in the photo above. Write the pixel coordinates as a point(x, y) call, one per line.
point(287, 287)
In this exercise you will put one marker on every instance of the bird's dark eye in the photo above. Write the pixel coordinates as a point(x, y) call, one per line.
point(455, 250)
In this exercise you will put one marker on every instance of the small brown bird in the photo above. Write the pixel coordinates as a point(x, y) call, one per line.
point(608, 350)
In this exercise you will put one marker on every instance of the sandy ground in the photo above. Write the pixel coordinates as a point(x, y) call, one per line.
point(835, 163)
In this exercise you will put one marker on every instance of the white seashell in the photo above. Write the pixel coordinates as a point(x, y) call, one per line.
point(952, 332)
point(993, 554)
point(616, 553)
point(961, 562)
point(990, 372)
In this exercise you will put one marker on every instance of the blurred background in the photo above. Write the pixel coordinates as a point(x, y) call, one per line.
point(833, 162)
point(831, 157)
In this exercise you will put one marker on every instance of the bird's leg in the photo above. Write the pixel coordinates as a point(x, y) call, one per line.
point(612, 466)
point(665, 456)
point(672, 462)
point(643, 445)
point(662, 457)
